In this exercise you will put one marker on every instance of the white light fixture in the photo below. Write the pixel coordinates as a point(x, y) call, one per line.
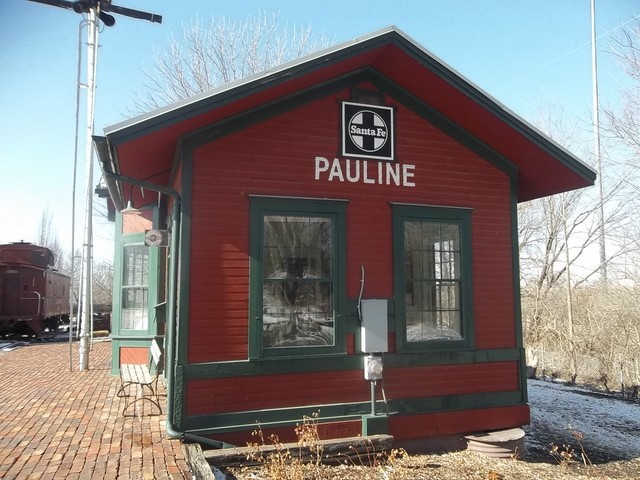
point(130, 210)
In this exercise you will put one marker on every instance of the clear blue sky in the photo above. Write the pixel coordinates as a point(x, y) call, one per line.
point(522, 52)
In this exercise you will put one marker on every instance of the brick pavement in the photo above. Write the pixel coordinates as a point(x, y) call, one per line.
point(56, 423)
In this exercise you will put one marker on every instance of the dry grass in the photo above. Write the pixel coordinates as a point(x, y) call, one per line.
point(449, 466)
point(563, 463)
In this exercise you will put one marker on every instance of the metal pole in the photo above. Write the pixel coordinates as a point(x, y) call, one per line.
point(92, 48)
point(73, 199)
point(373, 397)
point(596, 137)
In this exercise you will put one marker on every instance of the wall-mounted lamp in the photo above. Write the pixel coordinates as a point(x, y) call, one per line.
point(130, 209)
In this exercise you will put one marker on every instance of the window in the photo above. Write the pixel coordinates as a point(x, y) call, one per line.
point(432, 276)
point(135, 287)
point(296, 274)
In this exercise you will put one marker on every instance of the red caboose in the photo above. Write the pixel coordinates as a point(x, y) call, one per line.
point(343, 222)
point(33, 296)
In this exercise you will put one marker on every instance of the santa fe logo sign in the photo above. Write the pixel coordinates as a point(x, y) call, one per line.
point(367, 131)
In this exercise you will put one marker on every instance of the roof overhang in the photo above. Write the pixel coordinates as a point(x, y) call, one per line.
point(144, 147)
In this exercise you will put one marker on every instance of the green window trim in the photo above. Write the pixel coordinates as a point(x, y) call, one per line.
point(120, 285)
point(297, 300)
point(432, 278)
point(135, 288)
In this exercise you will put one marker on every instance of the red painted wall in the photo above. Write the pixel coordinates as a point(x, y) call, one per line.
point(276, 157)
point(134, 355)
point(448, 423)
point(408, 427)
point(293, 390)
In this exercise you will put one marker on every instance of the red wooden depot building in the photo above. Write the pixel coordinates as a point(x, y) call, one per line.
point(359, 201)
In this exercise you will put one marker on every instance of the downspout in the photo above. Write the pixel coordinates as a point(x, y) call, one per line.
point(171, 332)
point(170, 355)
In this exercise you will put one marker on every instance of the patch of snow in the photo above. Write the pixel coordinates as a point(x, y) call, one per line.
point(608, 424)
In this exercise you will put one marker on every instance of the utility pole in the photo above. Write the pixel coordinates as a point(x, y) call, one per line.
point(95, 10)
point(87, 243)
point(597, 147)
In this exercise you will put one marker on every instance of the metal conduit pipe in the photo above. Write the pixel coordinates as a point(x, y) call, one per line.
point(172, 361)
point(104, 154)
point(209, 442)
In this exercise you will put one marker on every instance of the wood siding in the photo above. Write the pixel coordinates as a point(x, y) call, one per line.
point(223, 395)
point(449, 423)
point(275, 157)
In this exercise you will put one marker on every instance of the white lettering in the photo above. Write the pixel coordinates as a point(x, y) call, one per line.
point(336, 171)
point(407, 173)
point(373, 132)
point(352, 178)
point(357, 171)
point(393, 173)
point(365, 172)
point(322, 165)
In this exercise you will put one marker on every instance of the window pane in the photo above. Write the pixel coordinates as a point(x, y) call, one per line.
point(134, 287)
point(135, 265)
point(301, 247)
point(134, 298)
point(298, 298)
point(134, 319)
point(433, 281)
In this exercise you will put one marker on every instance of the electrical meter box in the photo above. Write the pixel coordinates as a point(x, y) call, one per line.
point(373, 332)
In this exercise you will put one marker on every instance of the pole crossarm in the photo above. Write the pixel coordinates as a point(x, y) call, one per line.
point(102, 6)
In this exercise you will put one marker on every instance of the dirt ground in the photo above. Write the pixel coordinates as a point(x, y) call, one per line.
point(595, 436)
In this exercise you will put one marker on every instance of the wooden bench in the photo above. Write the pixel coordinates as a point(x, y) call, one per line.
point(136, 379)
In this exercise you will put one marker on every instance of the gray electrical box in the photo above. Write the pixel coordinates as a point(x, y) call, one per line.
point(373, 332)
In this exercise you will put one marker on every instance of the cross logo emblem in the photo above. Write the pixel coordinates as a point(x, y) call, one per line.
point(367, 131)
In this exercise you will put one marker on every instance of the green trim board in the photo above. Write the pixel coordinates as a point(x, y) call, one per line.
point(284, 416)
point(130, 337)
point(385, 85)
point(272, 109)
point(435, 118)
point(180, 283)
point(183, 164)
point(447, 271)
point(179, 112)
point(118, 342)
point(184, 275)
point(292, 245)
point(375, 424)
point(238, 421)
point(341, 362)
point(517, 294)
point(134, 128)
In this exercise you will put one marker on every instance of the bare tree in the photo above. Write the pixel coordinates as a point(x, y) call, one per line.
point(208, 57)
point(103, 283)
point(593, 328)
point(47, 237)
point(555, 232)
point(624, 124)
point(556, 236)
